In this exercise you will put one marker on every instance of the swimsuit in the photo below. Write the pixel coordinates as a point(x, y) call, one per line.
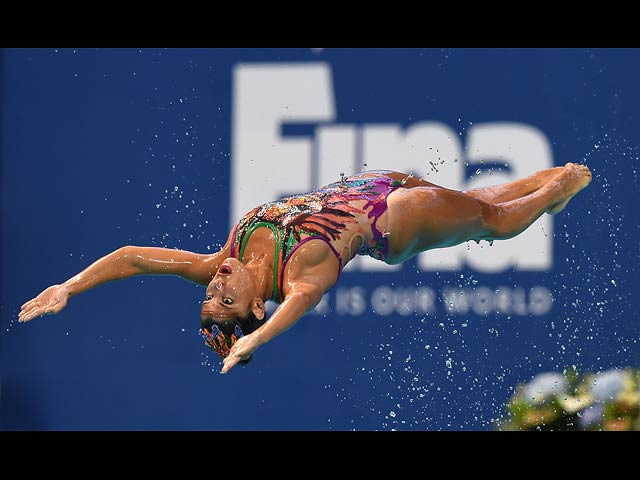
point(322, 215)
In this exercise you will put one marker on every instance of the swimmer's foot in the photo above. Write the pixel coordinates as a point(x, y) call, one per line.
point(574, 178)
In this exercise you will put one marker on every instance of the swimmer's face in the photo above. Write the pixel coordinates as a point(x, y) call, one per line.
point(231, 293)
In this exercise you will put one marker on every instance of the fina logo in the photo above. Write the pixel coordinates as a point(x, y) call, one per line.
point(267, 96)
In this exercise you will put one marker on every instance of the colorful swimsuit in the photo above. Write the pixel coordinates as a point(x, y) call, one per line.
point(322, 215)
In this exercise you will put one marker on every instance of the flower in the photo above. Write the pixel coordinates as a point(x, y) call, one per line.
point(607, 400)
point(608, 385)
point(574, 404)
point(544, 386)
point(590, 417)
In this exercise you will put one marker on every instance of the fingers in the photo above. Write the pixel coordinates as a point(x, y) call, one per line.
point(229, 363)
point(26, 304)
point(33, 309)
point(31, 313)
point(30, 310)
point(26, 309)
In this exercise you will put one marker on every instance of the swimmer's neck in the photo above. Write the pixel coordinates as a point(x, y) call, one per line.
point(260, 266)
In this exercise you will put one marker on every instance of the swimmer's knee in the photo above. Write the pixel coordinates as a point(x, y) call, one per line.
point(494, 223)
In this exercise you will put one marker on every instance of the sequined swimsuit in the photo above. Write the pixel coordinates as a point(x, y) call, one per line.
point(322, 215)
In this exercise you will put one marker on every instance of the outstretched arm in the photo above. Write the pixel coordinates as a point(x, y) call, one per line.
point(298, 302)
point(312, 271)
point(122, 263)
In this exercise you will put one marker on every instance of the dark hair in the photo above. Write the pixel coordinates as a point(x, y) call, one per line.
point(247, 324)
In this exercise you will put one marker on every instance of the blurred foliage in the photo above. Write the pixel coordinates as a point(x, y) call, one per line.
point(608, 400)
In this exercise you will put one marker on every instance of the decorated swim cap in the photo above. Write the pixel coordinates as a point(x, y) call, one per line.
point(220, 342)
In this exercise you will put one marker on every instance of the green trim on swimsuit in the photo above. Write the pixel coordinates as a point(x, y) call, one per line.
point(275, 231)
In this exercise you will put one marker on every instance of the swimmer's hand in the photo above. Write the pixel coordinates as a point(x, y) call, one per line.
point(241, 350)
point(49, 302)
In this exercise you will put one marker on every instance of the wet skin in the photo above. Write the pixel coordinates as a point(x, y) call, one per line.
point(420, 216)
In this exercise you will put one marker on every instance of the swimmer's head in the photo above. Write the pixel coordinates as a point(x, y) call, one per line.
point(231, 308)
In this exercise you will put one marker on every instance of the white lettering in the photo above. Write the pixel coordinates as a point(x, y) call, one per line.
point(540, 301)
point(266, 96)
point(350, 301)
point(323, 306)
point(455, 300)
point(482, 301)
point(382, 301)
point(336, 147)
point(503, 300)
point(404, 301)
point(519, 301)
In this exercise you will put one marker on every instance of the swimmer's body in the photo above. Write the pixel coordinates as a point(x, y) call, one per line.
point(293, 250)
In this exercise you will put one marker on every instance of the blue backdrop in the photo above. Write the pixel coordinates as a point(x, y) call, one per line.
point(104, 148)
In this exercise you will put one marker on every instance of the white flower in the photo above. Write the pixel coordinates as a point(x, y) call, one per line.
point(608, 385)
point(543, 386)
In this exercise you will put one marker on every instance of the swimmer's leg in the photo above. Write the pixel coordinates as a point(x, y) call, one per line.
point(423, 218)
point(512, 190)
point(510, 218)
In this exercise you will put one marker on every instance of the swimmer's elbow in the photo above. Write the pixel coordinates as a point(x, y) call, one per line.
point(135, 257)
point(126, 250)
point(309, 295)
